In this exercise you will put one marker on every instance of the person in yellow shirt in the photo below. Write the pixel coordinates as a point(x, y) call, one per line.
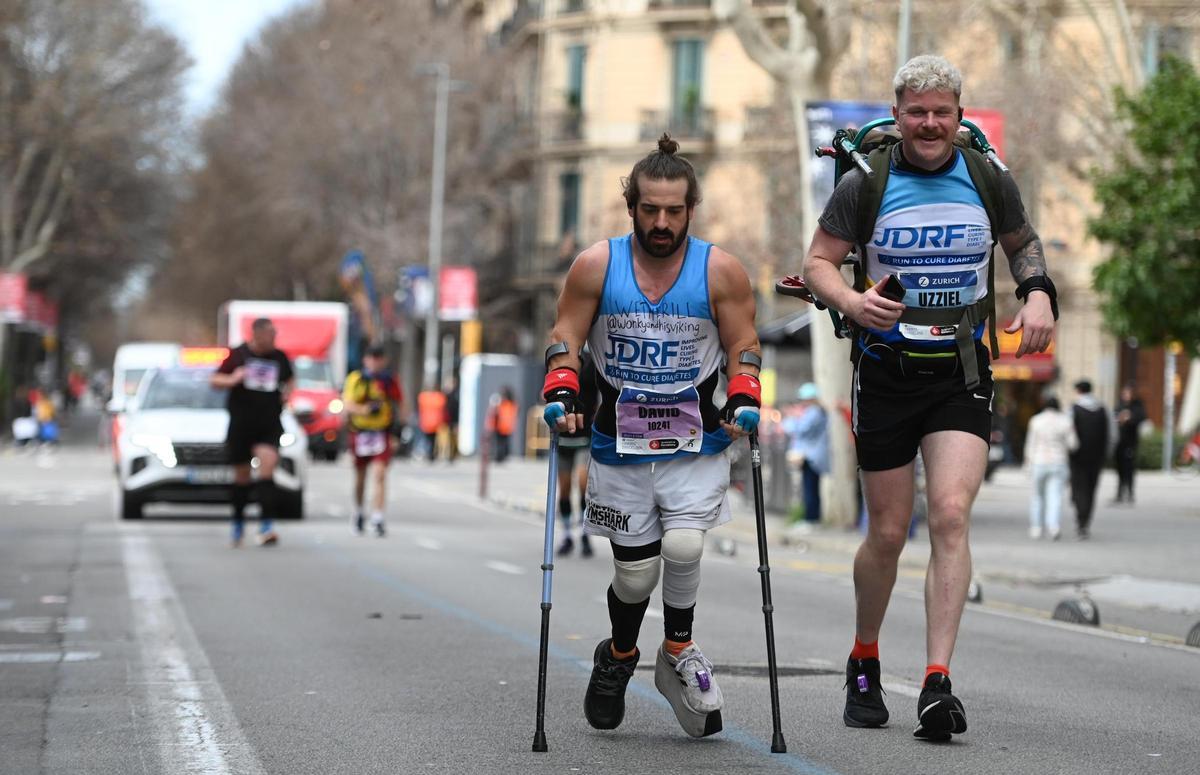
point(372, 399)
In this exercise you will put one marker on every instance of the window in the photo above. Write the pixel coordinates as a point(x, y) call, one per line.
point(688, 86)
point(576, 59)
point(1160, 42)
point(568, 190)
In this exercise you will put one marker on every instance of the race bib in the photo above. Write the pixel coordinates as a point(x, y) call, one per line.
point(650, 423)
point(940, 290)
point(370, 443)
point(261, 375)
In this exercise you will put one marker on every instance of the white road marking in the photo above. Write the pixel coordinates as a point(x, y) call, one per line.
point(904, 690)
point(505, 567)
point(53, 600)
point(431, 544)
point(189, 707)
point(27, 657)
point(39, 625)
point(440, 492)
point(337, 512)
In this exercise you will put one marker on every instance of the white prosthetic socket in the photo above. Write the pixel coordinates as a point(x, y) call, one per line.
point(686, 680)
point(634, 580)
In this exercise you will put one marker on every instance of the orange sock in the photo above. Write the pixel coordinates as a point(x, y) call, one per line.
point(674, 648)
point(622, 654)
point(931, 669)
point(864, 650)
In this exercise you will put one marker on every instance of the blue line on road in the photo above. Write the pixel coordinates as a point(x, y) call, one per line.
point(734, 734)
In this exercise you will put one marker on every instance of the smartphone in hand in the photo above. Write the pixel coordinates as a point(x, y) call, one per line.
point(891, 288)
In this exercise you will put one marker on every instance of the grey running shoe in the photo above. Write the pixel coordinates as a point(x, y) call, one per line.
point(604, 703)
point(688, 684)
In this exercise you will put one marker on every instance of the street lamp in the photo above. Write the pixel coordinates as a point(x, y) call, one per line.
point(437, 197)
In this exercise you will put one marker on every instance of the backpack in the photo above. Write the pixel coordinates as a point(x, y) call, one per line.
point(874, 149)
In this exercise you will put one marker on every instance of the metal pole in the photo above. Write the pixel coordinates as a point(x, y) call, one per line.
point(903, 33)
point(437, 197)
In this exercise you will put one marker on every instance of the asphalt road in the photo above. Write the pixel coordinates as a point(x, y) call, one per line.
point(152, 647)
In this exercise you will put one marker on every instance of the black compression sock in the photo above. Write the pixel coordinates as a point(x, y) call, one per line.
point(626, 619)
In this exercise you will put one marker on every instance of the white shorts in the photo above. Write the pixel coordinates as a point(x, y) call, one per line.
point(633, 505)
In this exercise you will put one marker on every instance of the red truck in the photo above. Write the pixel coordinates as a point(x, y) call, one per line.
point(313, 334)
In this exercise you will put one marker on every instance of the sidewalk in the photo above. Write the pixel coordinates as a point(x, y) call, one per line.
point(1143, 556)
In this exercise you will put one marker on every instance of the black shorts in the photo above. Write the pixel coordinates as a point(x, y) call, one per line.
point(570, 458)
point(893, 412)
point(246, 433)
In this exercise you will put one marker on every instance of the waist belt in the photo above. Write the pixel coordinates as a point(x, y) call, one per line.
point(964, 319)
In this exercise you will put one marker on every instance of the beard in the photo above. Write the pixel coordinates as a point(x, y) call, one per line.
point(660, 249)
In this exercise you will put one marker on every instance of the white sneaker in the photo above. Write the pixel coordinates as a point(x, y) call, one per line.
point(688, 684)
point(1055, 535)
point(1035, 532)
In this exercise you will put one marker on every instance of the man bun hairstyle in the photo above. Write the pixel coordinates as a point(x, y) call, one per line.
point(662, 164)
point(925, 73)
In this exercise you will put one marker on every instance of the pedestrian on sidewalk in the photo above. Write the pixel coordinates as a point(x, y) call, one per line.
point(808, 439)
point(921, 374)
point(662, 313)
point(372, 399)
point(1131, 413)
point(1049, 440)
point(452, 411)
point(506, 416)
point(431, 414)
point(573, 460)
point(1091, 427)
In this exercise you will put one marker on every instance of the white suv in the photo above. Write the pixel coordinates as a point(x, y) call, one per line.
point(172, 446)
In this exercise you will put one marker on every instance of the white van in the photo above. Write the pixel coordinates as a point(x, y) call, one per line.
point(131, 363)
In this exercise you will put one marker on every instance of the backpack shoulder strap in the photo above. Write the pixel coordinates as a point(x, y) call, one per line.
point(870, 198)
point(987, 183)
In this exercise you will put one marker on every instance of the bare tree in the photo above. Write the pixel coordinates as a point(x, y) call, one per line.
point(89, 94)
point(802, 63)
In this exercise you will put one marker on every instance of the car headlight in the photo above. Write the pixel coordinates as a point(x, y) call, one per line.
point(336, 406)
point(287, 439)
point(159, 446)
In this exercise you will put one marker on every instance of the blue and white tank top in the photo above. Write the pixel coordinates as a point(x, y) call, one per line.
point(933, 233)
point(658, 363)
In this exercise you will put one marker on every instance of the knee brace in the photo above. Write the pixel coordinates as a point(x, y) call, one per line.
point(634, 580)
point(681, 552)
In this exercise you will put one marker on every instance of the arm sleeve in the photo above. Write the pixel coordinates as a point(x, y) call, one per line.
point(1014, 209)
point(840, 217)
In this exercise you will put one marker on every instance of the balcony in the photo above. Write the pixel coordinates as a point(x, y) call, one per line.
point(699, 124)
point(564, 127)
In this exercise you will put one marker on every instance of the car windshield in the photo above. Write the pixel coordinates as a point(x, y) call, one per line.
point(312, 374)
point(182, 389)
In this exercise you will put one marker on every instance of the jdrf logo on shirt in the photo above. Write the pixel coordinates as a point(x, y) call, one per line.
point(902, 237)
point(646, 353)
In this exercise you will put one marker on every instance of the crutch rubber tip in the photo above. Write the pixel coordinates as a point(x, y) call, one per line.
point(777, 744)
point(539, 742)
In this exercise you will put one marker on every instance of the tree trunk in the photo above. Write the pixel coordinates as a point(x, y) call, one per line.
point(830, 355)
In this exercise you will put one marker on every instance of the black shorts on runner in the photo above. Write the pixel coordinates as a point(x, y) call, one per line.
point(892, 412)
point(246, 434)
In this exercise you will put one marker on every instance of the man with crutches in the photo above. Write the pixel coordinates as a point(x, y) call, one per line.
point(663, 313)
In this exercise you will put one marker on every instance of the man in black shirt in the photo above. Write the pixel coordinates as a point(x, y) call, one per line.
point(259, 378)
point(1091, 426)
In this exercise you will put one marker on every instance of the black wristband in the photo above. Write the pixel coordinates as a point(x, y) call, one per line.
point(1040, 282)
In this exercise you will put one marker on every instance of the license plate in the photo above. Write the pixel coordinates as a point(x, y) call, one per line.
point(210, 475)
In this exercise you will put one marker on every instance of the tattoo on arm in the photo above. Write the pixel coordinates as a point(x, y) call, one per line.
point(1030, 259)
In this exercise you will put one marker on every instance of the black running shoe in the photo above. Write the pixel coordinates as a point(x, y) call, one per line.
point(939, 713)
point(585, 546)
point(604, 703)
point(566, 547)
point(864, 694)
